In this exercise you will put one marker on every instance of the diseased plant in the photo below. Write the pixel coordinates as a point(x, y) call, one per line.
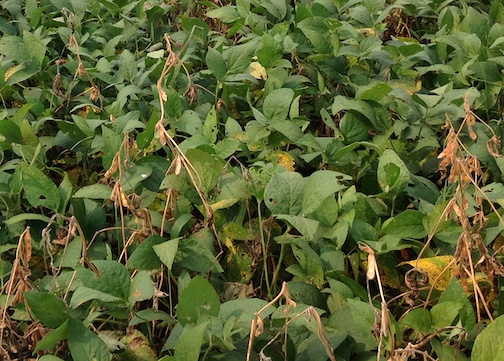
point(251, 179)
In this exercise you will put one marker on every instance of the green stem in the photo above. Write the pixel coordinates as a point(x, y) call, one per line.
point(277, 270)
point(263, 244)
point(209, 348)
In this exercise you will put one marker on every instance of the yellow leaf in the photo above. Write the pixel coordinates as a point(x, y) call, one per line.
point(257, 70)
point(433, 266)
point(229, 244)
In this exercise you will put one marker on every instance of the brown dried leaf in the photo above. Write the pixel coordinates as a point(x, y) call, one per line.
point(259, 326)
point(95, 93)
point(467, 106)
point(27, 246)
point(57, 87)
point(493, 146)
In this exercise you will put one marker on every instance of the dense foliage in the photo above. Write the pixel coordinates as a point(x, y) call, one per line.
point(251, 179)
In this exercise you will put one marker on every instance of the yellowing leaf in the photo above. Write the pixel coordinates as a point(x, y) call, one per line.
point(411, 86)
point(285, 159)
point(224, 203)
point(433, 266)
point(13, 70)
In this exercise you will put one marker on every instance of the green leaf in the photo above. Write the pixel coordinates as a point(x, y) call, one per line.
point(198, 298)
point(216, 64)
point(238, 57)
point(13, 47)
point(189, 344)
point(307, 294)
point(84, 344)
point(90, 215)
point(149, 315)
point(35, 47)
point(354, 127)
point(141, 288)
point(47, 308)
point(210, 129)
point(144, 257)
point(408, 224)
point(65, 189)
point(145, 138)
point(127, 65)
point(114, 278)
point(166, 251)
point(226, 14)
point(343, 103)
point(486, 71)
point(134, 175)
point(277, 8)
point(51, 339)
point(318, 186)
point(112, 143)
point(393, 175)
point(327, 212)
point(475, 23)
point(315, 30)
point(455, 291)
point(308, 260)
point(39, 189)
point(447, 352)
point(355, 318)
point(26, 217)
point(256, 131)
point(227, 147)
point(50, 358)
point(288, 129)
point(10, 131)
point(306, 226)
point(444, 314)
point(197, 26)
point(94, 191)
point(270, 52)
point(190, 123)
point(83, 294)
point(471, 44)
point(277, 104)
point(197, 252)
point(127, 123)
point(208, 168)
point(363, 231)
point(243, 308)
point(284, 193)
point(375, 92)
point(419, 319)
point(29, 136)
point(489, 344)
